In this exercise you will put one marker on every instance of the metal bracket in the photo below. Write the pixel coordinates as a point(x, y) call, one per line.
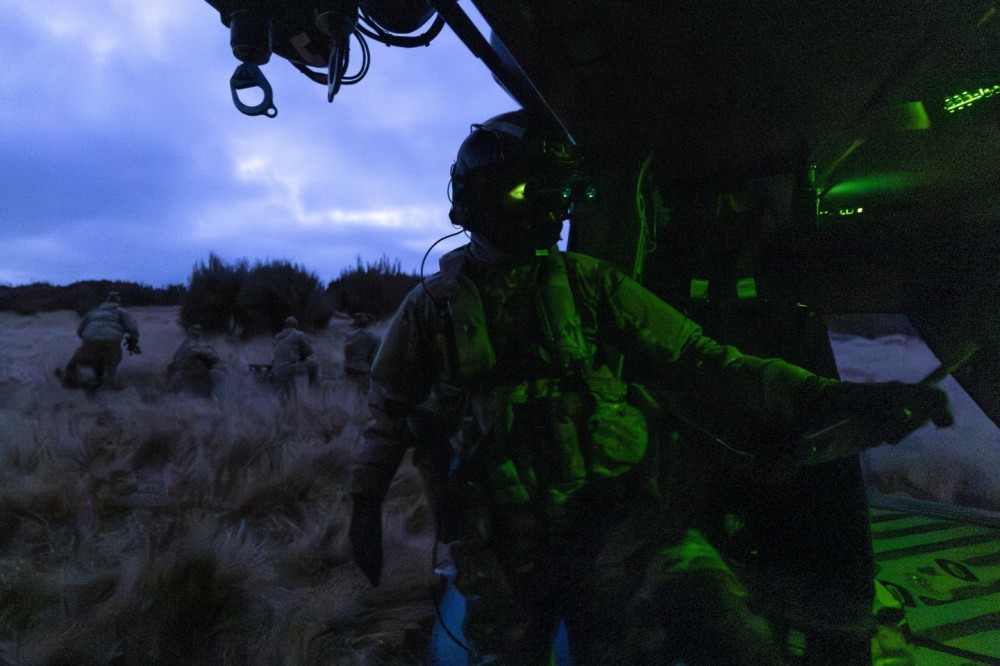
point(248, 75)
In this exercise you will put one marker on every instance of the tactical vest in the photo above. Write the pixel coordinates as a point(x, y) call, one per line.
point(580, 426)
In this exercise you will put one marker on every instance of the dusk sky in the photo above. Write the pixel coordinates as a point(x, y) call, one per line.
point(122, 156)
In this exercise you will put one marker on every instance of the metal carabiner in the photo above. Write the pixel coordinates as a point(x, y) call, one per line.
point(248, 75)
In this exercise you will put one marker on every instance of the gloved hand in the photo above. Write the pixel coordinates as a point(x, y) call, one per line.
point(366, 537)
point(886, 412)
point(132, 344)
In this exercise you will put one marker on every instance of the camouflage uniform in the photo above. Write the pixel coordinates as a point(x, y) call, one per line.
point(514, 371)
point(190, 368)
point(292, 350)
point(101, 330)
point(360, 347)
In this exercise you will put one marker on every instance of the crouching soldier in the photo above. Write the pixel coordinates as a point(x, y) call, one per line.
point(191, 367)
point(292, 357)
point(102, 331)
point(360, 348)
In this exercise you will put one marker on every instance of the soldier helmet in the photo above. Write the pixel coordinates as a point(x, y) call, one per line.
point(291, 322)
point(515, 179)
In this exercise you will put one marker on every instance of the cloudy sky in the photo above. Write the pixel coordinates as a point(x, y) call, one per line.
point(123, 157)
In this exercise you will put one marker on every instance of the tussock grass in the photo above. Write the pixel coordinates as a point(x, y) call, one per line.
point(147, 527)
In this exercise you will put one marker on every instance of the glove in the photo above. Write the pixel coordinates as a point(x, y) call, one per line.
point(366, 538)
point(132, 344)
point(887, 412)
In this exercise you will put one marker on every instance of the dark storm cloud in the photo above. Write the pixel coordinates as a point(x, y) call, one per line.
point(123, 157)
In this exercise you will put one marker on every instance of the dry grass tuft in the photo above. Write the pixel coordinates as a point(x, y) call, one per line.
point(146, 527)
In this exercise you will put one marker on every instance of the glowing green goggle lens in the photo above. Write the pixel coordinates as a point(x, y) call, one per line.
point(573, 189)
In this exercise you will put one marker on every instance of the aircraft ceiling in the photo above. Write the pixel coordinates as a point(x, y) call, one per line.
point(897, 104)
point(722, 86)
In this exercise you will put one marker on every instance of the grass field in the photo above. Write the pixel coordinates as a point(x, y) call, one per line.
point(142, 526)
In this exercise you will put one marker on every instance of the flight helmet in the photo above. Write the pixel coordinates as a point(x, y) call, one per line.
point(514, 180)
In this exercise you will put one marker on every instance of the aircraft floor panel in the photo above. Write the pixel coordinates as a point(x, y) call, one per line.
point(946, 572)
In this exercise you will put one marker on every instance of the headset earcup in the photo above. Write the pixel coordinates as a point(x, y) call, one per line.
point(459, 213)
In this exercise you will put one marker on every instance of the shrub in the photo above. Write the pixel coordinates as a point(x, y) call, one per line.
point(254, 300)
point(211, 294)
point(272, 291)
point(376, 288)
point(83, 296)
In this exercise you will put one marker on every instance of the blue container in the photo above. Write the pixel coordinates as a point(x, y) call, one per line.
point(446, 652)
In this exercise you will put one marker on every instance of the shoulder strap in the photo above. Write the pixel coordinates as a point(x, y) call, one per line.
point(460, 331)
point(557, 311)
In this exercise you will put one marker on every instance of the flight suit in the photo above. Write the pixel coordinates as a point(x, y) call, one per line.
point(536, 455)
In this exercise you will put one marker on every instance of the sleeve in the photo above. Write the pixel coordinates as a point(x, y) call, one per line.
point(82, 325)
point(305, 346)
point(401, 378)
point(183, 349)
point(731, 395)
point(128, 323)
point(208, 354)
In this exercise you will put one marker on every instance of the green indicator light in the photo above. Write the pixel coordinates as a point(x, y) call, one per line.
point(746, 288)
point(842, 212)
point(518, 192)
point(965, 99)
point(699, 289)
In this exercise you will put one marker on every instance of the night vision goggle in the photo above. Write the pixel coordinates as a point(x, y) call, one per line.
point(571, 189)
point(554, 173)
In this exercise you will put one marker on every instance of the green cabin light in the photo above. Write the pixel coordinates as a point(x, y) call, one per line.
point(518, 192)
point(893, 181)
point(965, 99)
point(910, 116)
